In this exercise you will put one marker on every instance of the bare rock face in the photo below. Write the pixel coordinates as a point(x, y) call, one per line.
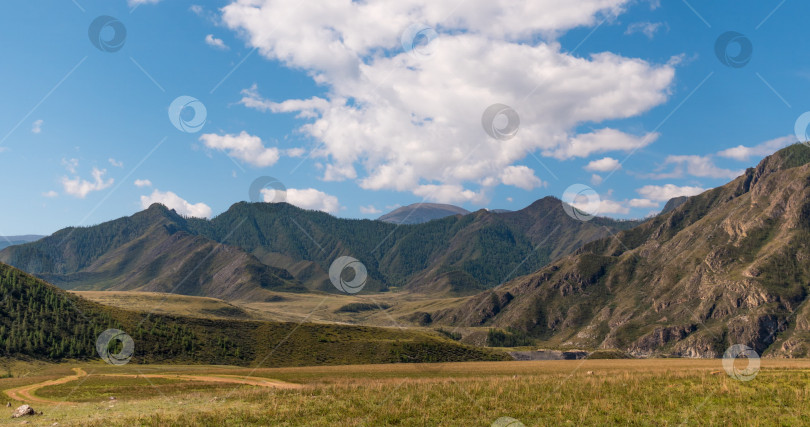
point(23, 411)
point(698, 346)
point(660, 337)
point(757, 332)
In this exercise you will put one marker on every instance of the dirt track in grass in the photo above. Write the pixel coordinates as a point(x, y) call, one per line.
point(27, 393)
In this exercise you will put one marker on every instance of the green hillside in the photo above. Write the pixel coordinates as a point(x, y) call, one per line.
point(44, 322)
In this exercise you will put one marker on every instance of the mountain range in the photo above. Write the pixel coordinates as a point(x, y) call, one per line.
point(729, 266)
point(255, 247)
point(6, 241)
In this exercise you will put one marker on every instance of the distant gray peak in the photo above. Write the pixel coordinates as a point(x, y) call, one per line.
point(418, 213)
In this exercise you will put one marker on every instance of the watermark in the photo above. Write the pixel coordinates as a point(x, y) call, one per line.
point(419, 40)
point(337, 269)
point(739, 350)
point(107, 34)
point(507, 422)
point(107, 342)
point(802, 128)
point(500, 122)
point(581, 202)
point(187, 114)
point(733, 49)
point(267, 189)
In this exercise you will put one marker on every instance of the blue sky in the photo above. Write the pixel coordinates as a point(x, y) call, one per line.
point(627, 97)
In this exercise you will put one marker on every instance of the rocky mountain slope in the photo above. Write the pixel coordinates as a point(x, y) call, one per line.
point(255, 246)
point(729, 266)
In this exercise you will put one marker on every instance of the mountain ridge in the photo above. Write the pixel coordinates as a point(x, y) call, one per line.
point(291, 249)
point(725, 267)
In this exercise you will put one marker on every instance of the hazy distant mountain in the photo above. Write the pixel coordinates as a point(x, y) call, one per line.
point(418, 213)
point(276, 246)
point(6, 241)
point(729, 266)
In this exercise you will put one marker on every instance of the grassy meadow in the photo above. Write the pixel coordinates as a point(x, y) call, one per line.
point(606, 392)
point(390, 309)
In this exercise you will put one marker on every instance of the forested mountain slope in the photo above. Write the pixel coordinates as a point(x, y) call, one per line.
point(255, 246)
point(149, 251)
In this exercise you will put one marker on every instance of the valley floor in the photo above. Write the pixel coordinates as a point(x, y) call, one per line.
point(390, 309)
point(617, 392)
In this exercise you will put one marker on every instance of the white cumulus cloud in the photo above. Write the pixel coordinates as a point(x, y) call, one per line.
point(245, 147)
point(403, 122)
point(521, 177)
point(699, 166)
point(743, 153)
point(173, 201)
point(308, 198)
point(601, 141)
point(453, 194)
point(36, 127)
point(369, 210)
point(143, 183)
point(643, 203)
point(80, 188)
point(607, 164)
point(647, 28)
point(212, 41)
point(295, 152)
point(663, 193)
point(612, 207)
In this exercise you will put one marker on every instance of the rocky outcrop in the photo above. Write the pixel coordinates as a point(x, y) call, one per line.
point(659, 338)
point(23, 411)
point(757, 332)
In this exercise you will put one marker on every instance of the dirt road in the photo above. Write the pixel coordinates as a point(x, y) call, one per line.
point(26, 393)
point(228, 379)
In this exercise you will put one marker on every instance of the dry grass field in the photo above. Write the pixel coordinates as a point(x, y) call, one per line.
point(605, 392)
point(289, 307)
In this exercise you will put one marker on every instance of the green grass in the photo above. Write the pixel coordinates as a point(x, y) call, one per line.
point(591, 392)
point(95, 389)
